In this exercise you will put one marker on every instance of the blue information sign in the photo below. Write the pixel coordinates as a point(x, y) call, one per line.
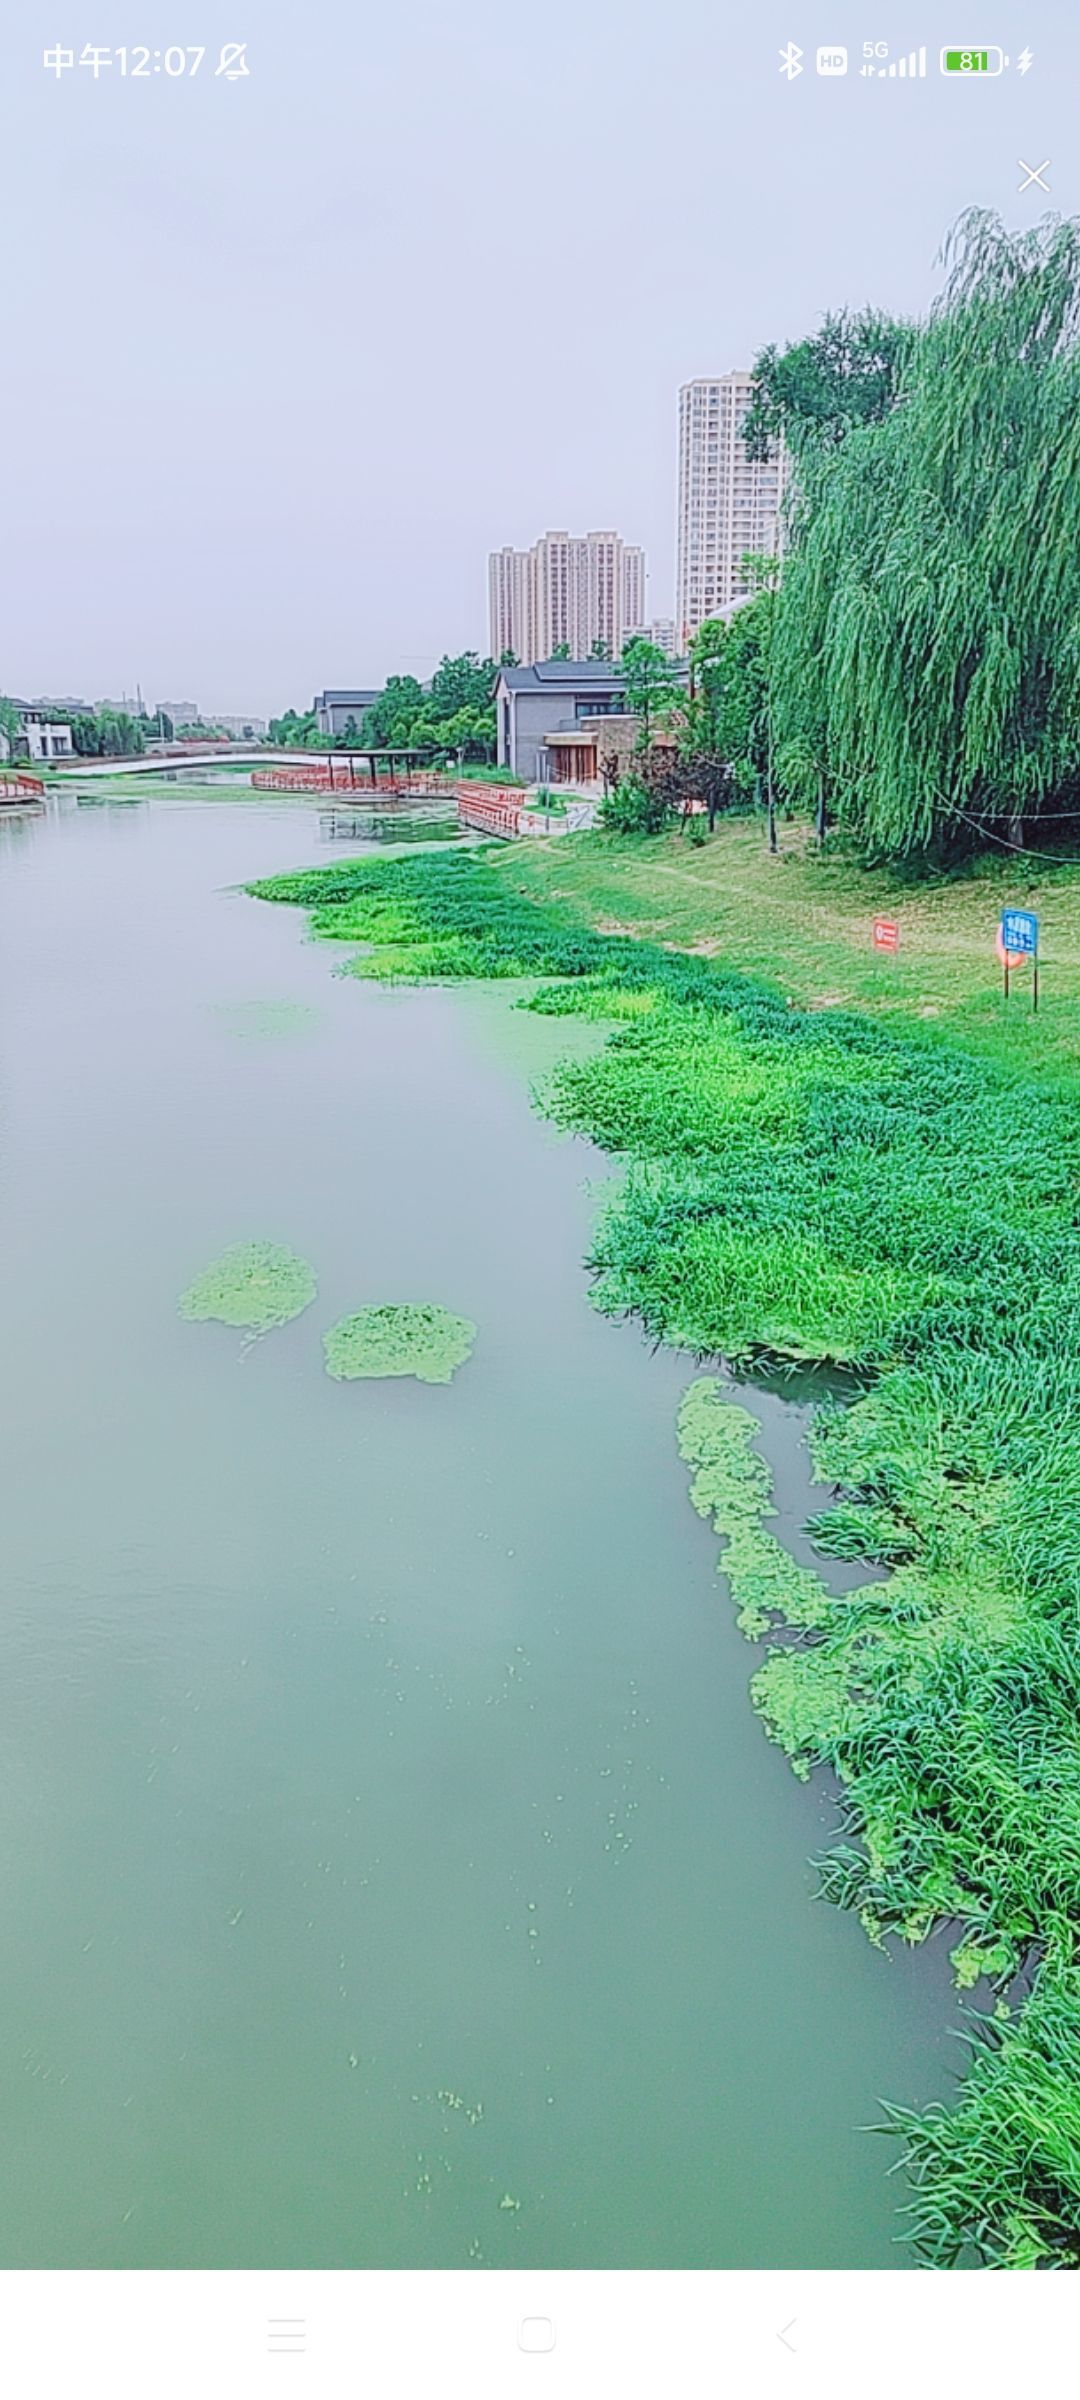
point(1020, 931)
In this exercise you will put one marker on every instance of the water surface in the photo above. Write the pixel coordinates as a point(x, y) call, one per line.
point(392, 1869)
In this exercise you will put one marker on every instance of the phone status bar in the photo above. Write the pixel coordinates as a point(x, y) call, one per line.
point(876, 62)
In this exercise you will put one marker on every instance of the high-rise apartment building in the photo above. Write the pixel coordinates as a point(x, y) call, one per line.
point(510, 605)
point(728, 504)
point(660, 631)
point(633, 595)
point(572, 589)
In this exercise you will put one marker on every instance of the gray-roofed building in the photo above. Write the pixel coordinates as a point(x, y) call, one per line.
point(554, 695)
point(334, 709)
point(549, 717)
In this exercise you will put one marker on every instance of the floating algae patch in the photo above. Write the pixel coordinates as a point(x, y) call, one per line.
point(253, 1285)
point(426, 1342)
point(265, 1020)
point(732, 1484)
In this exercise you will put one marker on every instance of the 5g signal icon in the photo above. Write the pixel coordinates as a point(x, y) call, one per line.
point(912, 64)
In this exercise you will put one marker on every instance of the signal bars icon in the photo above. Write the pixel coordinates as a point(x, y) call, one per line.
point(914, 63)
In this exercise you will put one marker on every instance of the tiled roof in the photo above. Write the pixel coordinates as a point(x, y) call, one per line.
point(563, 674)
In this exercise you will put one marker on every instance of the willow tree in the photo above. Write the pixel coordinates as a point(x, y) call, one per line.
point(927, 643)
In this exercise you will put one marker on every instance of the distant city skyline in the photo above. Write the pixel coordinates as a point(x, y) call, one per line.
point(572, 590)
point(181, 712)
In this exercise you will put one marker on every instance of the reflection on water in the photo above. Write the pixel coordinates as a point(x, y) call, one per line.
point(394, 1871)
point(412, 821)
point(803, 1382)
point(408, 820)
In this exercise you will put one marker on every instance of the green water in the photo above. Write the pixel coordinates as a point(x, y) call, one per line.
point(365, 1743)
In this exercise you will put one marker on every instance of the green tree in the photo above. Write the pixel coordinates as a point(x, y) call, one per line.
point(465, 682)
point(637, 803)
point(847, 374)
point(699, 732)
point(652, 686)
point(388, 723)
point(119, 736)
point(561, 650)
point(457, 713)
point(468, 733)
point(10, 726)
point(731, 664)
point(926, 659)
point(424, 732)
point(293, 732)
point(85, 735)
point(600, 650)
point(761, 574)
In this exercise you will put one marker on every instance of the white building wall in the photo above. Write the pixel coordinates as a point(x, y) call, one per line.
point(505, 596)
point(727, 503)
point(632, 611)
point(48, 741)
point(660, 631)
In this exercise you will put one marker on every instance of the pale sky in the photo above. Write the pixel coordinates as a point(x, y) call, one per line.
point(284, 358)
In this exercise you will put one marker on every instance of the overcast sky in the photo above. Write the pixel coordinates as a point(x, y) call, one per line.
point(285, 357)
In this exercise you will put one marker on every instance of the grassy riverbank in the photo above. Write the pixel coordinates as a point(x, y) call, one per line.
point(819, 1183)
point(804, 922)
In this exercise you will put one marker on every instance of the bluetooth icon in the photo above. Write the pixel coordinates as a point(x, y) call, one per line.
point(791, 61)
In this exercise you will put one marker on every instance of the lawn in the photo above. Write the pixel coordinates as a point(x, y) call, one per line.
point(804, 922)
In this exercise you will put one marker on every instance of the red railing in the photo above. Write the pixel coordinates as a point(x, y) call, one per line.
point(482, 808)
point(20, 787)
point(317, 777)
point(291, 779)
point(489, 808)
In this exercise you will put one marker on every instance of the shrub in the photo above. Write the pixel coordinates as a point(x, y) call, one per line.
point(635, 806)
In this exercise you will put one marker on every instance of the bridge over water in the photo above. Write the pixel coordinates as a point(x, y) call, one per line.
point(156, 762)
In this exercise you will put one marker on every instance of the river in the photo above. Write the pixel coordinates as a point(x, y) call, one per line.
point(392, 1869)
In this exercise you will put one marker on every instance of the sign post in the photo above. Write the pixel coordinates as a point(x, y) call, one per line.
point(886, 933)
point(1018, 939)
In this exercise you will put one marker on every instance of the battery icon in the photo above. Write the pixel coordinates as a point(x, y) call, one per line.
point(974, 62)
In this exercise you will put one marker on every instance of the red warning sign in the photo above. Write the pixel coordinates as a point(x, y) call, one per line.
point(886, 933)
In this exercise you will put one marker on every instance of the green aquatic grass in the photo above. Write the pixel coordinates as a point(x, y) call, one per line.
point(254, 1286)
point(403, 1339)
point(1012, 2139)
point(955, 1742)
point(808, 1184)
point(391, 904)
